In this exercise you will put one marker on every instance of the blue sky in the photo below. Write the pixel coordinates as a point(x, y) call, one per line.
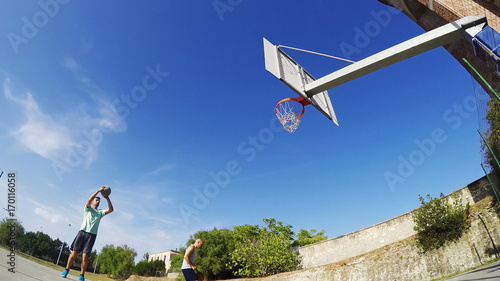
point(169, 103)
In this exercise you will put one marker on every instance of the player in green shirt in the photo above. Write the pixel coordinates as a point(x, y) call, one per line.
point(85, 239)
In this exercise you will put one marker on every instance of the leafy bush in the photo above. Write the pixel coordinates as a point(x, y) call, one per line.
point(143, 268)
point(117, 262)
point(214, 257)
point(438, 221)
point(263, 251)
point(305, 237)
point(248, 250)
point(176, 261)
point(157, 268)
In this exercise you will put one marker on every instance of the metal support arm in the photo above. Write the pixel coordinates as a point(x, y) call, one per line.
point(466, 27)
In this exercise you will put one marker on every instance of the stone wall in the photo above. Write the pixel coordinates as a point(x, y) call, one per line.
point(381, 234)
point(358, 242)
point(402, 260)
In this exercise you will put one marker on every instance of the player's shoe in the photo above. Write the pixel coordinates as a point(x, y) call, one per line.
point(65, 273)
point(81, 278)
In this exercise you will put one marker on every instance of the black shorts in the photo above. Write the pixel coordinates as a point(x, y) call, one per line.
point(84, 242)
point(189, 274)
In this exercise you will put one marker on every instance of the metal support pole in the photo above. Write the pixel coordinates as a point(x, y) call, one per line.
point(62, 246)
point(96, 260)
point(95, 266)
point(491, 183)
point(489, 148)
point(491, 90)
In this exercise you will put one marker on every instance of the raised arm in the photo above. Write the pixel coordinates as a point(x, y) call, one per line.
point(89, 202)
point(110, 206)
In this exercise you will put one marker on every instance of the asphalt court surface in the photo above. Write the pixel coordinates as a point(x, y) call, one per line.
point(26, 270)
point(488, 272)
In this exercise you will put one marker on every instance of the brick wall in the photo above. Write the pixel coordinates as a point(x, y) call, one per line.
point(451, 10)
point(430, 14)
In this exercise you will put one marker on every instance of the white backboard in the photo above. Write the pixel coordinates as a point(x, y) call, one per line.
point(294, 76)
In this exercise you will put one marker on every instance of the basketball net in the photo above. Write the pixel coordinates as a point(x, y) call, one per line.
point(289, 112)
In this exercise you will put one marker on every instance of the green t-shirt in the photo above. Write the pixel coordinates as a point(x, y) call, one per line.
point(91, 219)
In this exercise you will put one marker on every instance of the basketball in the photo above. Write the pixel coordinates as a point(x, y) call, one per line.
point(106, 191)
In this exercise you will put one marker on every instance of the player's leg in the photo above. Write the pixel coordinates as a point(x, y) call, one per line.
point(71, 260)
point(76, 247)
point(87, 250)
point(85, 262)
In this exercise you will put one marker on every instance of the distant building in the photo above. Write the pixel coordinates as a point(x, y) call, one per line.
point(165, 256)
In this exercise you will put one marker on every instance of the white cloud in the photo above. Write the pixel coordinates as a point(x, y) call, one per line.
point(72, 65)
point(48, 213)
point(108, 117)
point(160, 169)
point(76, 68)
point(56, 135)
point(168, 200)
point(40, 133)
point(48, 216)
point(127, 215)
point(161, 219)
point(44, 138)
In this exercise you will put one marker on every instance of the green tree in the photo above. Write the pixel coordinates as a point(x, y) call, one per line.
point(263, 251)
point(41, 245)
point(44, 247)
point(176, 261)
point(212, 260)
point(438, 221)
point(92, 261)
point(143, 268)
point(10, 231)
point(243, 260)
point(26, 243)
point(157, 268)
point(305, 237)
point(117, 262)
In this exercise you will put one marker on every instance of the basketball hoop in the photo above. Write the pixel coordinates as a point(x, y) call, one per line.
point(289, 112)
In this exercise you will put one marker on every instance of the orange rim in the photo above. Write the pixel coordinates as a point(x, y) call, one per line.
point(300, 100)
